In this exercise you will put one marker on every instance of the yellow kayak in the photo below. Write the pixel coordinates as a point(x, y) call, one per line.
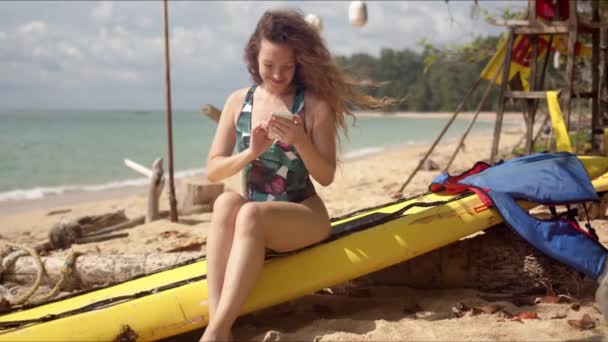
point(173, 301)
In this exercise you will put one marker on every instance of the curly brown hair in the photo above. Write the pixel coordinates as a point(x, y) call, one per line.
point(316, 71)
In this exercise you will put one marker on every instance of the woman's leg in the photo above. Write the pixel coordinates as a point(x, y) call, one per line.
point(281, 226)
point(219, 243)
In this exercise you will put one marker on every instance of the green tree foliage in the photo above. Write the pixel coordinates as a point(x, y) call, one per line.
point(429, 81)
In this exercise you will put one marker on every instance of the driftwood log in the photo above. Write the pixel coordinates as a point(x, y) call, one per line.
point(155, 187)
point(67, 232)
point(92, 270)
point(498, 260)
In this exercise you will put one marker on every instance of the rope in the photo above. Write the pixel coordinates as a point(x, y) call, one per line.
point(12, 258)
point(66, 271)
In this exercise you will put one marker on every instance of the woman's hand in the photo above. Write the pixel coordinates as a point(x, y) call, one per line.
point(288, 131)
point(259, 142)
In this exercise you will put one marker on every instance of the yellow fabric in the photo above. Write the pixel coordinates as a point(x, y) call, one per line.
point(562, 140)
point(522, 51)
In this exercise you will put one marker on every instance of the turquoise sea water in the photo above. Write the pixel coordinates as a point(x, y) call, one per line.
point(50, 152)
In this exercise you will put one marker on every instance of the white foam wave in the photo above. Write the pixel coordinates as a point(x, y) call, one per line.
point(41, 192)
point(362, 152)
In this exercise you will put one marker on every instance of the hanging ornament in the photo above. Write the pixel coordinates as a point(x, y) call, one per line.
point(357, 13)
point(314, 21)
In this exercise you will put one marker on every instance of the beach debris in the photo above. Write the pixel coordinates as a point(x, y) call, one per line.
point(460, 309)
point(272, 336)
point(155, 188)
point(559, 315)
point(526, 315)
point(58, 211)
point(585, 323)
point(553, 299)
point(126, 334)
point(200, 193)
point(168, 234)
point(91, 270)
point(194, 244)
point(211, 112)
point(489, 309)
point(67, 232)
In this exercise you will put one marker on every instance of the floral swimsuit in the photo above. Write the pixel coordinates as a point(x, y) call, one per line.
point(279, 173)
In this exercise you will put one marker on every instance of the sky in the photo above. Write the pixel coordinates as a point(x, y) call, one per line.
point(110, 55)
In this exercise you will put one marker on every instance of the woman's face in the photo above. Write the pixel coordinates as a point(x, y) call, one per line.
point(277, 66)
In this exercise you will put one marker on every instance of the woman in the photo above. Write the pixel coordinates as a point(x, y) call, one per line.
point(292, 71)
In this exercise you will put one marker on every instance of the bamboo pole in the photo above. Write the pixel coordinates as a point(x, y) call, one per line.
point(531, 103)
point(595, 62)
point(483, 101)
point(572, 37)
point(501, 101)
point(445, 128)
point(172, 201)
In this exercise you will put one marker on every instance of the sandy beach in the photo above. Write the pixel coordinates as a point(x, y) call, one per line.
point(379, 313)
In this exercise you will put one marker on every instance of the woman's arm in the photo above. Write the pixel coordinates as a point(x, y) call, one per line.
point(319, 152)
point(221, 163)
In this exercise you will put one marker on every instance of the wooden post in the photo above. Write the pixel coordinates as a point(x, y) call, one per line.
point(155, 188)
point(501, 97)
point(172, 201)
point(484, 98)
point(445, 128)
point(595, 61)
point(572, 37)
point(531, 103)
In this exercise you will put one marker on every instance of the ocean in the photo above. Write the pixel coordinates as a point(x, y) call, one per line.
point(46, 153)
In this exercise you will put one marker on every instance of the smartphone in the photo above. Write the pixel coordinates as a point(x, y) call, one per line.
point(284, 115)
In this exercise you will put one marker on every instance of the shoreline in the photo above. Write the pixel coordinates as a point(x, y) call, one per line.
point(55, 201)
point(50, 201)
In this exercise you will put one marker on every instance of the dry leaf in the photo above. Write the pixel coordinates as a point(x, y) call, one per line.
point(193, 244)
point(585, 323)
point(525, 315)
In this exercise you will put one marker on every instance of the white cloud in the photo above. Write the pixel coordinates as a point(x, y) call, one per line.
point(33, 27)
point(111, 48)
point(103, 10)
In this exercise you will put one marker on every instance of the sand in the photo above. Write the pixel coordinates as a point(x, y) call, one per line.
point(372, 313)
